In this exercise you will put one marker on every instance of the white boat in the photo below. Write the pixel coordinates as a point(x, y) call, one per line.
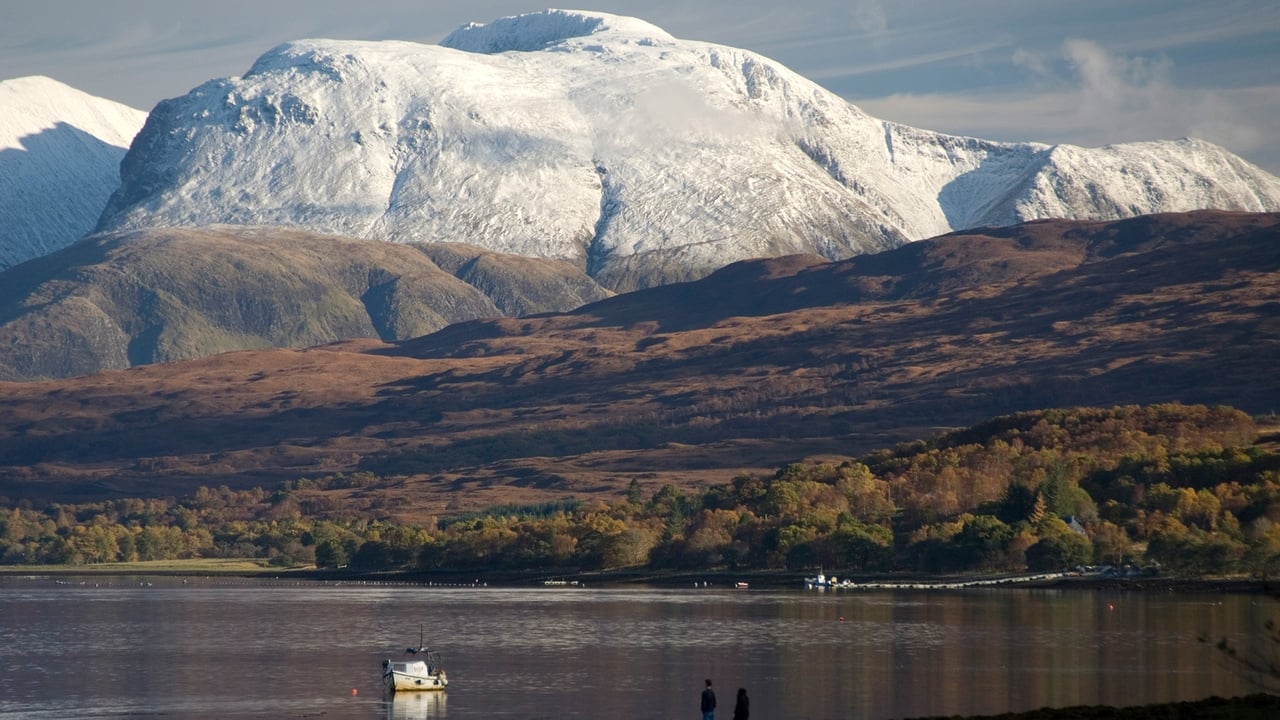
point(421, 673)
point(822, 582)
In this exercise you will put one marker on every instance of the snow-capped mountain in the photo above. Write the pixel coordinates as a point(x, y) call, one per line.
point(60, 152)
point(606, 141)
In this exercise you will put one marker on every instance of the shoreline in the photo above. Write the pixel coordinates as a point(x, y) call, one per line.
point(720, 579)
point(791, 580)
point(1258, 706)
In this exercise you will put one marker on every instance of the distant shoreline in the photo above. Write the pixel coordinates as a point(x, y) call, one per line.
point(775, 580)
point(753, 579)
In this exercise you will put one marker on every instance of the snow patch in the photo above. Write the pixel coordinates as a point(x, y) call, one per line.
point(538, 31)
point(60, 152)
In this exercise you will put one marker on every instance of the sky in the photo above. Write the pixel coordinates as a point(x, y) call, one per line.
point(1085, 72)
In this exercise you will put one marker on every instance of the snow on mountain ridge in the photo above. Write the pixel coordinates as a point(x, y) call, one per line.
point(60, 152)
point(537, 31)
point(45, 102)
point(1136, 178)
point(604, 141)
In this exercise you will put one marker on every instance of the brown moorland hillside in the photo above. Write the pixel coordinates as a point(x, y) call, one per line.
point(760, 364)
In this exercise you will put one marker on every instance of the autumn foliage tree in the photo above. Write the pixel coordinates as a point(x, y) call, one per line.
point(1181, 487)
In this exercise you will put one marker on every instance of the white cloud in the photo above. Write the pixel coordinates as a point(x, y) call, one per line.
point(1137, 98)
point(1033, 62)
point(1085, 95)
point(965, 54)
point(1120, 93)
point(869, 17)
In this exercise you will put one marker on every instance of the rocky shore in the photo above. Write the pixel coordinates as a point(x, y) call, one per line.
point(1251, 707)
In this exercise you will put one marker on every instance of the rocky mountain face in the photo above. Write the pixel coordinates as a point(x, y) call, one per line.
point(605, 142)
point(60, 152)
point(146, 296)
point(759, 364)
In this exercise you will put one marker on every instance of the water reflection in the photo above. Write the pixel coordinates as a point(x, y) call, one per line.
point(212, 648)
point(415, 706)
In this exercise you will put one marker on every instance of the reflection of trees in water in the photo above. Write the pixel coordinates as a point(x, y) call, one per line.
point(1259, 661)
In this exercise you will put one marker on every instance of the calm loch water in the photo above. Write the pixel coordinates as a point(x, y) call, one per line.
point(233, 648)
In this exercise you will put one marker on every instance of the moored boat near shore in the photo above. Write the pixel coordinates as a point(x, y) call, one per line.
point(822, 582)
point(426, 673)
point(413, 675)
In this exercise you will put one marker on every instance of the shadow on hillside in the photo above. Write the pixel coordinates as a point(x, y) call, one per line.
point(60, 179)
point(1011, 166)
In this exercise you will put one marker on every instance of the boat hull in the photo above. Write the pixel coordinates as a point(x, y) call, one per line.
point(414, 676)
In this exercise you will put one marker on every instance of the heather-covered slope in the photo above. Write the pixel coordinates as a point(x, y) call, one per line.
point(602, 140)
point(750, 368)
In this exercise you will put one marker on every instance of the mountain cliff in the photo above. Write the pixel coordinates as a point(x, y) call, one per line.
point(604, 141)
point(60, 152)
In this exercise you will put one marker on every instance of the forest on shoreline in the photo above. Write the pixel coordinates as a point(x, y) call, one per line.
point(1174, 490)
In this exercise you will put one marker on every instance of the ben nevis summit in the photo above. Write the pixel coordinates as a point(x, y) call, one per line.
point(604, 141)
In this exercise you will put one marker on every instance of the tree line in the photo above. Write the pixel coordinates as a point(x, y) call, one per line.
point(1183, 488)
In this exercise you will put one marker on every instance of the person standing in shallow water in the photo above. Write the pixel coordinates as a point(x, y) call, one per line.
point(742, 708)
point(708, 702)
